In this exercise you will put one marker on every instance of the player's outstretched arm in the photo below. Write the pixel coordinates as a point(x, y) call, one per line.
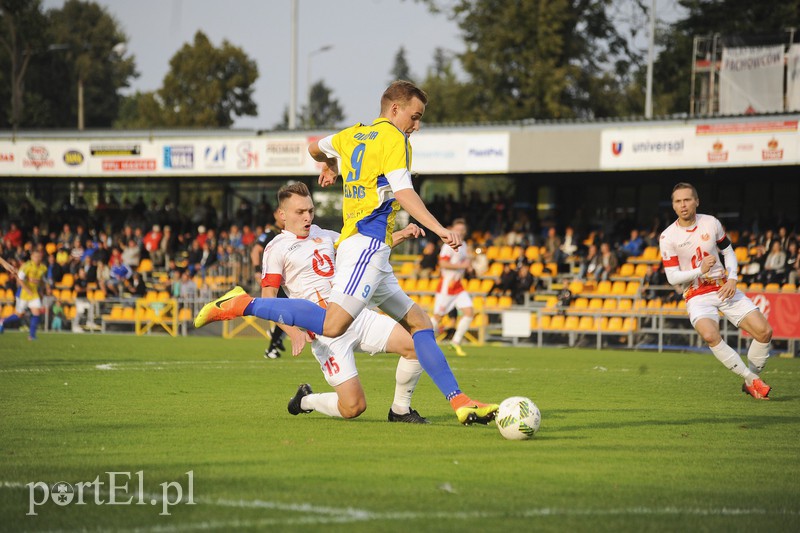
point(412, 231)
point(411, 202)
point(330, 165)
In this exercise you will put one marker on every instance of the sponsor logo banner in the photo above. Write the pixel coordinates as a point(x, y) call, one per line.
point(129, 165)
point(286, 153)
point(179, 157)
point(460, 152)
point(782, 311)
point(751, 80)
point(115, 150)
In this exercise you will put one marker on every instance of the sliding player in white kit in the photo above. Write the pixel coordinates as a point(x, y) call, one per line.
point(690, 253)
point(301, 259)
point(450, 293)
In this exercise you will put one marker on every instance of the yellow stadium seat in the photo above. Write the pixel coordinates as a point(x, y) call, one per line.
point(789, 287)
point(151, 296)
point(580, 303)
point(162, 296)
point(742, 255)
point(587, 324)
point(604, 287)
point(618, 287)
point(486, 285)
point(477, 303)
point(551, 269)
point(532, 253)
point(50, 248)
point(756, 287)
point(596, 304)
point(426, 302)
point(185, 314)
point(575, 287)
point(614, 324)
point(742, 286)
point(572, 323)
point(632, 288)
point(145, 266)
point(534, 321)
point(423, 284)
point(772, 287)
point(410, 285)
point(9, 294)
point(545, 322)
point(551, 303)
point(491, 302)
point(3, 278)
point(610, 305)
point(624, 305)
point(67, 281)
point(641, 270)
point(558, 322)
point(504, 302)
point(474, 285)
point(629, 324)
point(128, 313)
point(536, 270)
point(626, 270)
point(506, 253)
point(8, 310)
point(650, 253)
point(492, 253)
point(407, 268)
point(495, 269)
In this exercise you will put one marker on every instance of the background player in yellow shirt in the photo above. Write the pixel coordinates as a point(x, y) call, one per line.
point(376, 168)
point(30, 275)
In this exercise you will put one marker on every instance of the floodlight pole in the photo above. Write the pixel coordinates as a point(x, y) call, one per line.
point(648, 101)
point(293, 74)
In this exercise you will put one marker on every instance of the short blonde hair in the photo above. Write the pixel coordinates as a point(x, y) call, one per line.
point(401, 92)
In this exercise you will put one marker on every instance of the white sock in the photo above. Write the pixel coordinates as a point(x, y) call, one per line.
point(728, 357)
point(435, 324)
point(461, 329)
point(757, 355)
point(326, 403)
point(407, 377)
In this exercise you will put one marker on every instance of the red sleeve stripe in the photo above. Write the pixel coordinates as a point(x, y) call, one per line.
point(272, 280)
point(671, 262)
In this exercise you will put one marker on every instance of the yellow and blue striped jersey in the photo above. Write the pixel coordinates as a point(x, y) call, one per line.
point(368, 153)
point(33, 274)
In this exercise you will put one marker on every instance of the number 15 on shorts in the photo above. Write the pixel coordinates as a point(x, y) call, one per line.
point(331, 366)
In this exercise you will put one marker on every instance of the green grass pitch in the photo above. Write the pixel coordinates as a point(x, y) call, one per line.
point(629, 441)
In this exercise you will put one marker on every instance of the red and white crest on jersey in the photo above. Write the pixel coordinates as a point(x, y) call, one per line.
point(303, 266)
point(686, 247)
point(451, 278)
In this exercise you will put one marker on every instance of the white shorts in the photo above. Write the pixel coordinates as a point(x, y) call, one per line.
point(368, 333)
point(22, 305)
point(710, 306)
point(364, 278)
point(444, 303)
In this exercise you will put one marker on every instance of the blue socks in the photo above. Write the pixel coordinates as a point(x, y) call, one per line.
point(434, 363)
point(289, 311)
point(34, 325)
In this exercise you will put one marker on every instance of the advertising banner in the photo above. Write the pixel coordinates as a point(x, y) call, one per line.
point(751, 80)
point(793, 78)
point(643, 148)
point(782, 311)
point(461, 153)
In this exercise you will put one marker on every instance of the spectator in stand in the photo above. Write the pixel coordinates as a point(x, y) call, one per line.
point(152, 244)
point(13, 237)
point(235, 237)
point(90, 268)
point(634, 246)
point(248, 237)
point(75, 256)
point(55, 272)
point(428, 261)
point(525, 281)
point(82, 303)
point(167, 247)
point(188, 287)
point(506, 284)
point(569, 245)
point(65, 238)
point(775, 264)
point(120, 273)
point(480, 263)
point(131, 254)
point(590, 265)
point(57, 312)
point(608, 262)
point(792, 264)
point(136, 286)
point(754, 270)
point(103, 274)
point(202, 235)
point(552, 245)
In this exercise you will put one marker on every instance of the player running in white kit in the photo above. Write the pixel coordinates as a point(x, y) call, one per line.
point(451, 294)
point(301, 260)
point(690, 253)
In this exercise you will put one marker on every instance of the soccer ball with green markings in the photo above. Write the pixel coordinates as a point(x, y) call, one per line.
point(518, 418)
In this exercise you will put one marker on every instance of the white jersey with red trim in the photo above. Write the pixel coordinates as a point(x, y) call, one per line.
point(685, 247)
point(450, 282)
point(304, 266)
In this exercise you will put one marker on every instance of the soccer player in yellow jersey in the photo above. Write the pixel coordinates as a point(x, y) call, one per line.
point(30, 275)
point(376, 170)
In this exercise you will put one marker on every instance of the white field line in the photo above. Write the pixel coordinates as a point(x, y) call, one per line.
point(309, 514)
point(147, 366)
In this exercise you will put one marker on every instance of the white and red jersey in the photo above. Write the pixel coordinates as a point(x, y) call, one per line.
point(303, 266)
point(450, 283)
point(685, 247)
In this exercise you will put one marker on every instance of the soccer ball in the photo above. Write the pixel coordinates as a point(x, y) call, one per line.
point(518, 418)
